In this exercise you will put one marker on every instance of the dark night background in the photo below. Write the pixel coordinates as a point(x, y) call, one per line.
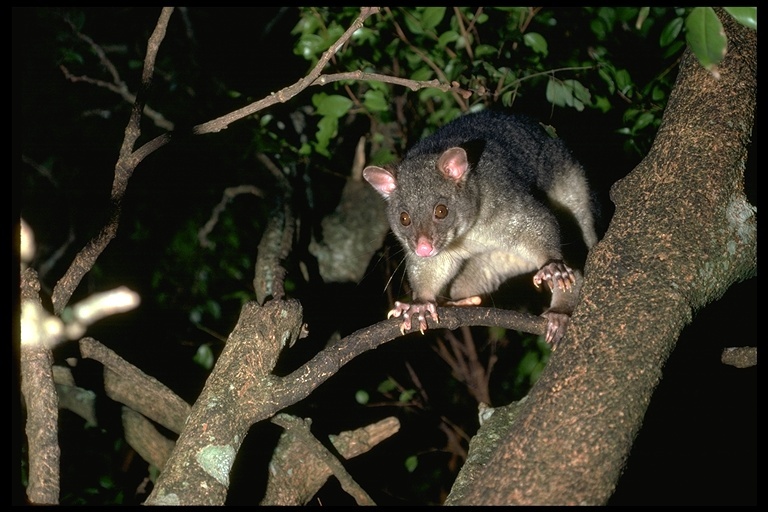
point(697, 445)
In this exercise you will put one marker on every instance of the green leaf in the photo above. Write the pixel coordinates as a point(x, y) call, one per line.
point(507, 98)
point(580, 92)
point(447, 37)
point(485, 50)
point(307, 24)
point(331, 35)
point(642, 121)
point(305, 149)
point(597, 26)
point(568, 93)
point(550, 130)
point(213, 308)
point(673, 49)
point(383, 156)
point(627, 14)
point(607, 78)
point(536, 372)
point(326, 130)
point(658, 94)
point(414, 59)
point(386, 386)
point(705, 36)
point(69, 56)
point(77, 19)
point(536, 42)
point(308, 46)
point(333, 105)
point(557, 93)
point(496, 333)
point(602, 104)
point(106, 482)
point(365, 35)
point(608, 15)
point(406, 396)
point(362, 397)
point(434, 94)
point(671, 31)
point(204, 356)
point(375, 101)
point(432, 17)
point(411, 463)
point(747, 16)
point(425, 20)
point(528, 363)
point(422, 74)
point(630, 114)
point(623, 81)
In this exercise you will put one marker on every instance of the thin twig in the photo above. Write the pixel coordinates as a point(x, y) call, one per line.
point(126, 163)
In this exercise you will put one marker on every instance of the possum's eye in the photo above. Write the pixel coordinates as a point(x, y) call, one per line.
point(405, 219)
point(441, 211)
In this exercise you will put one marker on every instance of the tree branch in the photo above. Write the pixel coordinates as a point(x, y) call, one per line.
point(242, 389)
point(126, 164)
point(314, 77)
point(301, 456)
point(682, 233)
point(41, 401)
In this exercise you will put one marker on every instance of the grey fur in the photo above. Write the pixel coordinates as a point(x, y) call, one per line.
point(498, 216)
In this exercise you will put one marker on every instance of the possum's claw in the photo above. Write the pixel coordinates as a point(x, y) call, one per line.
point(409, 310)
point(555, 273)
point(556, 325)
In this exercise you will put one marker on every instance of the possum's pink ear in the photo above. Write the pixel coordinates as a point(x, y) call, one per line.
point(381, 179)
point(453, 164)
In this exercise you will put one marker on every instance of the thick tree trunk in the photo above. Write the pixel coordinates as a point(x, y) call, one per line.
point(683, 232)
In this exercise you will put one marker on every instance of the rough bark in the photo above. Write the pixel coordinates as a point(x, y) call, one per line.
point(40, 399)
point(197, 472)
point(683, 232)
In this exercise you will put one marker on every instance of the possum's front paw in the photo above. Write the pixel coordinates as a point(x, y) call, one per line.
point(408, 311)
point(555, 273)
point(556, 324)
